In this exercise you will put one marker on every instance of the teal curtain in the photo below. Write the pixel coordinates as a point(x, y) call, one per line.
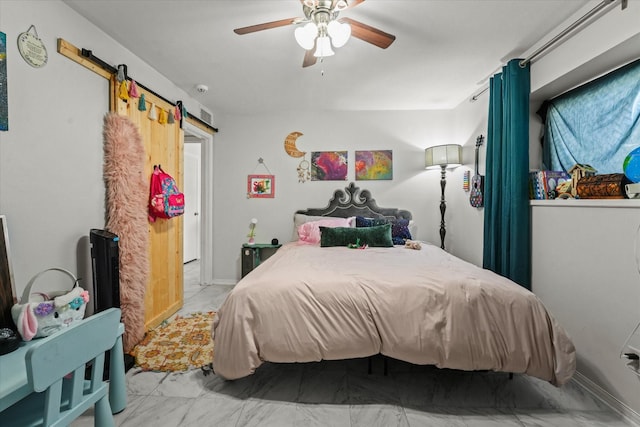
point(507, 235)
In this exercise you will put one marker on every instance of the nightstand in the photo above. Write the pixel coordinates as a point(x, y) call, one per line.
point(253, 255)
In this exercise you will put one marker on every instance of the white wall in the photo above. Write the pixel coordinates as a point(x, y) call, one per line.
point(245, 138)
point(584, 267)
point(470, 122)
point(585, 271)
point(51, 185)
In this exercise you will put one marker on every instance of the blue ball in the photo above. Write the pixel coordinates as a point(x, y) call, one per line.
point(631, 165)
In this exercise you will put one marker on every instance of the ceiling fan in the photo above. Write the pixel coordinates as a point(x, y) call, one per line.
point(321, 28)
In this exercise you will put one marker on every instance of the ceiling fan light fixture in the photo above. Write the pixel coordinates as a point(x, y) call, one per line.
point(323, 47)
point(305, 36)
point(341, 5)
point(339, 32)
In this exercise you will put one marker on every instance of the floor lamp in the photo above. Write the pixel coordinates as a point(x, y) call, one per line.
point(443, 156)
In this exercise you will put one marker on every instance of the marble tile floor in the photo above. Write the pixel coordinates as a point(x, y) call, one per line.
point(342, 393)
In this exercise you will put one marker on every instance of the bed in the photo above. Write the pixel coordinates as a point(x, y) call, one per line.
point(311, 302)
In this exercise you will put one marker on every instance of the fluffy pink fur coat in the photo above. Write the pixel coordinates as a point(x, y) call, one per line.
point(127, 196)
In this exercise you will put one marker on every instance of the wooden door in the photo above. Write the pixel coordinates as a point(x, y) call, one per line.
point(164, 145)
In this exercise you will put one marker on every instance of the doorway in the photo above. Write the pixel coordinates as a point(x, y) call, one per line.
point(192, 193)
point(198, 143)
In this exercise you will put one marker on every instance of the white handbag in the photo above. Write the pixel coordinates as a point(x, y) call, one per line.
point(40, 315)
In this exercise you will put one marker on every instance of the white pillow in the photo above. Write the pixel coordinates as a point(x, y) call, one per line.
point(309, 232)
point(299, 219)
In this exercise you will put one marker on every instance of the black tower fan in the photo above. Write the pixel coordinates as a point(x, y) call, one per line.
point(105, 263)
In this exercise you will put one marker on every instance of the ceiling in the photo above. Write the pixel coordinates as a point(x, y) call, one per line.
point(444, 51)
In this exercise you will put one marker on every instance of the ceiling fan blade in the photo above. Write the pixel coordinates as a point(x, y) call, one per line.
point(354, 3)
point(309, 59)
point(266, 26)
point(369, 34)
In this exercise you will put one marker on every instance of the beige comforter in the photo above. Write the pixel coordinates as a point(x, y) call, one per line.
point(308, 303)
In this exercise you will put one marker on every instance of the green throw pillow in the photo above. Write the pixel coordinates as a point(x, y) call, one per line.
point(379, 235)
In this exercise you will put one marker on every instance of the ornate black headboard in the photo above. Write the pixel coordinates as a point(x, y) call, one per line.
point(353, 202)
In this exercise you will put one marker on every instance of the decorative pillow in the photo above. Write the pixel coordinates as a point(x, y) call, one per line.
point(375, 236)
point(399, 227)
point(400, 231)
point(370, 222)
point(299, 219)
point(309, 232)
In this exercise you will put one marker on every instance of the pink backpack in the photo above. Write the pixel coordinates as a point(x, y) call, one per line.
point(165, 200)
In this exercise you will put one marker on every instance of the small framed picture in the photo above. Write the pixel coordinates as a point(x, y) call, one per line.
point(261, 186)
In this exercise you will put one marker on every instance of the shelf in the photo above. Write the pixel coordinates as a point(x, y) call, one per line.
point(587, 203)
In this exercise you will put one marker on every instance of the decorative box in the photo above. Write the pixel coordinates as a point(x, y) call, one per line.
point(609, 186)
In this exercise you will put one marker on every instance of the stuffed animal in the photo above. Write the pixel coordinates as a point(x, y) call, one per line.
point(357, 245)
point(412, 244)
point(564, 190)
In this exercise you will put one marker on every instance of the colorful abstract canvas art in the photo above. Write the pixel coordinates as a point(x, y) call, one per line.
point(329, 166)
point(374, 165)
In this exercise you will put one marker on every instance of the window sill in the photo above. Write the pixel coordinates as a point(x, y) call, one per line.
point(587, 203)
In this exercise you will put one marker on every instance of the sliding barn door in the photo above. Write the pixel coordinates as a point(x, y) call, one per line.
point(164, 145)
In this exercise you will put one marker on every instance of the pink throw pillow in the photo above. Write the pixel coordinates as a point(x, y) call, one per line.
point(309, 232)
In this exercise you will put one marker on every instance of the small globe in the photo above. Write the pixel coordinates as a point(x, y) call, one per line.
point(631, 165)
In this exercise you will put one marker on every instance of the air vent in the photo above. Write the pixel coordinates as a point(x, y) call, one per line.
point(205, 116)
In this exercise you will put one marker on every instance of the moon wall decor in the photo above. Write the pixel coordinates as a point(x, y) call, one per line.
point(290, 145)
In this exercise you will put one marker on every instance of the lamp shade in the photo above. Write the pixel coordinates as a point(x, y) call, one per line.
point(443, 155)
point(339, 33)
point(323, 47)
point(306, 36)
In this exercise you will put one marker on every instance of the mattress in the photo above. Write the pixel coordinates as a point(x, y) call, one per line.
point(309, 303)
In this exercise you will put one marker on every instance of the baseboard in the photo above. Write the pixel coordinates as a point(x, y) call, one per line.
point(226, 282)
point(607, 398)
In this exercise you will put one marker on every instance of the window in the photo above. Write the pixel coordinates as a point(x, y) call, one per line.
point(597, 123)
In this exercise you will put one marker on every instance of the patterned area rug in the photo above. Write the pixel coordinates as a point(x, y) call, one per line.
point(181, 344)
